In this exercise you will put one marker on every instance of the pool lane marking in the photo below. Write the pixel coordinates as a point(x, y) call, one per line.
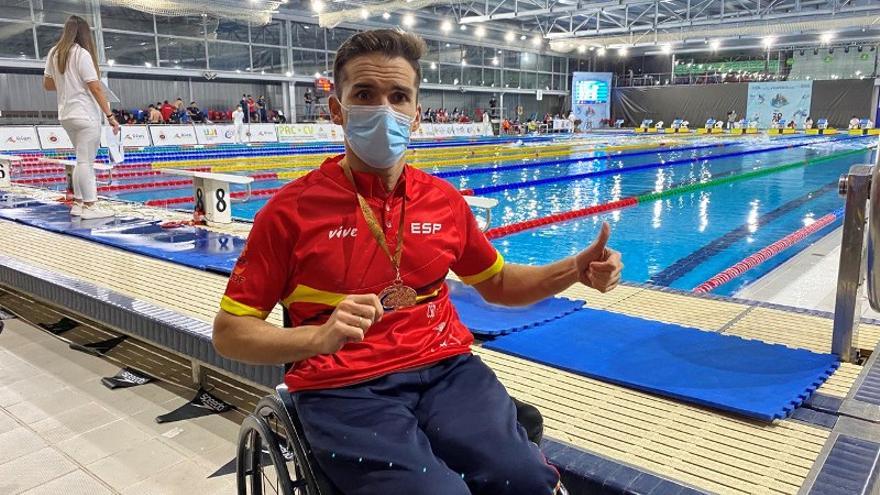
point(517, 227)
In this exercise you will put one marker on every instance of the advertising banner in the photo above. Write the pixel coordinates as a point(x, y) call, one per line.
point(591, 98)
point(134, 136)
point(54, 137)
point(177, 135)
point(261, 133)
point(791, 99)
point(19, 138)
point(215, 134)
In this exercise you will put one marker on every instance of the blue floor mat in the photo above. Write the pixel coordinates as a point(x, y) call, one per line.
point(188, 246)
point(748, 377)
point(488, 320)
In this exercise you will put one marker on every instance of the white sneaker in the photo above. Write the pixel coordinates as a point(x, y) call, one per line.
point(94, 212)
point(76, 210)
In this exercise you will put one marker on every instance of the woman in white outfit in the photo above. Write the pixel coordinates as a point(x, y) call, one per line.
point(72, 71)
point(238, 120)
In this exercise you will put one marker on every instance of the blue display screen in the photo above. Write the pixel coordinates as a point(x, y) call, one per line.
point(588, 91)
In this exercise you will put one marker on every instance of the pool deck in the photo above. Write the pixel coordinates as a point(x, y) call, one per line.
point(631, 434)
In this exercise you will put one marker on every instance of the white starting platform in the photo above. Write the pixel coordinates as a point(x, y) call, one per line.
point(215, 187)
point(70, 164)
point(482, 203)
point(6, 164)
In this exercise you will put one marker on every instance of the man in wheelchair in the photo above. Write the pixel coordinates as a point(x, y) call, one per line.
point(390, 397)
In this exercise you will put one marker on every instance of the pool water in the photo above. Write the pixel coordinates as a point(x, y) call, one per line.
point(677, 242)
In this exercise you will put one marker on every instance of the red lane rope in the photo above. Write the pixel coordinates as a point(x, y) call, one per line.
point(559, 217)
point(764, 254)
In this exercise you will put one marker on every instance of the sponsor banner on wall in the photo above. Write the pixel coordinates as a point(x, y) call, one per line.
point(215, 134)
point(19, 138)
point(487, 129)
point(562, 125)
point(790, 99)
point(261, 133)
point(173, 135)
point(133, 136)
point(291, 133)
point(54, 137)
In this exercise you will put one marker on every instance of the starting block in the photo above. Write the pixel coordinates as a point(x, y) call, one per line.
point(482, 203)
point(710, 130)
point(822, 132)
point(214, 187)
point(69, 165)
point(6, 164)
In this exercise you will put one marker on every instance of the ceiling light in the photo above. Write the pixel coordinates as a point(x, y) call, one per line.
point(111, 62)
point(826, 37)
point(317, 6)
point(582, 49)
point(622, 51)
point(462, 27)
point(480, 32)
point(288, 74)
point(508, 36)
point(522, 38)
point(433, 66)
point(463, 62)
point(714, 45)
point(386, 15)
point(495, 61)
point(317, 75)
point(147, 65)
point(768, 41)
point(667, 49)
point(408, 20)
point(455, 81)
point(446, 26)
point(536, 40)
point(600, 52)
point(365, 14)
point(425, 79)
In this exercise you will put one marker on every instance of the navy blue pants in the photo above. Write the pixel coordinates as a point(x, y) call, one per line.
point(449, 429)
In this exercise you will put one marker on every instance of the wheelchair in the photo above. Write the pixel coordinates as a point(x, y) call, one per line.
point(274, 457)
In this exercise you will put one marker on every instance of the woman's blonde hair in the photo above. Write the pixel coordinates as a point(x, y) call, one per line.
point(76, 31)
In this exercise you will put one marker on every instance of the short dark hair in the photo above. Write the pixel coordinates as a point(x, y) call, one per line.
point(389, 42)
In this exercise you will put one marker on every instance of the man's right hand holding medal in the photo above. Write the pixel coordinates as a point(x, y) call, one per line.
point(348, 323)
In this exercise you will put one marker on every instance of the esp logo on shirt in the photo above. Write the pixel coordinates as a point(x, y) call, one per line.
point(424, 228)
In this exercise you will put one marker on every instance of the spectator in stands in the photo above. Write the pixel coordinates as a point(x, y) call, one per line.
point(505, 126)
point(238, 121)
point(261, 108)
point(178, 105)
point(72, 70)
point(486, 118)
point(252, 109)
point(493, 106)
point(808, 124)
point(244, 106)
point(464, 119)
point(155, 115)
point(194, 112)
point(166, 110)
point(309, 100)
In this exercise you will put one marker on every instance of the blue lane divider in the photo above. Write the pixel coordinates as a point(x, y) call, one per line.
point(479, 191)
point(746, 377)
point(488, 320)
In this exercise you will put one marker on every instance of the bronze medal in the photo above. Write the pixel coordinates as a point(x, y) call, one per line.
point(397, 296)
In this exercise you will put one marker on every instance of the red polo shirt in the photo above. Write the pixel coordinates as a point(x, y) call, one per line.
point(310, 247)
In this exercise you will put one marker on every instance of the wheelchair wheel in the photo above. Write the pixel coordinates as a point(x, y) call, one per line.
point(261, 468)
point(303, 477)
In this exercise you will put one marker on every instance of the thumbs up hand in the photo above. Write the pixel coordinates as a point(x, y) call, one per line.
point(598, 266)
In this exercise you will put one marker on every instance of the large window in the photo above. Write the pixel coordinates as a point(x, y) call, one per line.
point(543, 81)
point(307, 62)
point(16, 9)
point(229, 56)
point(189, 26)
point(511, 78)
point(270, 34)
point(491, 78)
point(269, 60)
point(126, 19)
point(450, 52)
point(429, 75)
point(472, 76)
point(337, 36)
point(450, 74)
point(57, 11)
point(307, 36)
point(130, 49)
point(181, 53)
point(17, 40)
point(229, 31)
point(47, 37)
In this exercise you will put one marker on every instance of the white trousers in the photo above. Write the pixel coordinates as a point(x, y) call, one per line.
point(240, 134)
point(86, 137)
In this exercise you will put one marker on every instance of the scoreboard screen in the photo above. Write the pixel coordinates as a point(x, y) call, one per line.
point(588, 92)
point(323, 86)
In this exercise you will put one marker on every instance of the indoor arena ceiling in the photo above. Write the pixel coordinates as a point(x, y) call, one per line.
point(640, 25)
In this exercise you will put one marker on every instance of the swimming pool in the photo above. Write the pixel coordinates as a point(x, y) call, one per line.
point(677, 241)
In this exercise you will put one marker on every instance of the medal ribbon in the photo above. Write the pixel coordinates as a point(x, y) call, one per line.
point(376, 229)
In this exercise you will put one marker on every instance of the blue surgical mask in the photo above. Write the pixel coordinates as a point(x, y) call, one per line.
point(378, 135)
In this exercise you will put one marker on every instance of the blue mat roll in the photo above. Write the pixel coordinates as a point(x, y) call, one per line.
point(488, 320)
point(747, 377)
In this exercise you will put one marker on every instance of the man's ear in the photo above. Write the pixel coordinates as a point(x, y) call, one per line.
point(415, 125)
point(335, 110)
